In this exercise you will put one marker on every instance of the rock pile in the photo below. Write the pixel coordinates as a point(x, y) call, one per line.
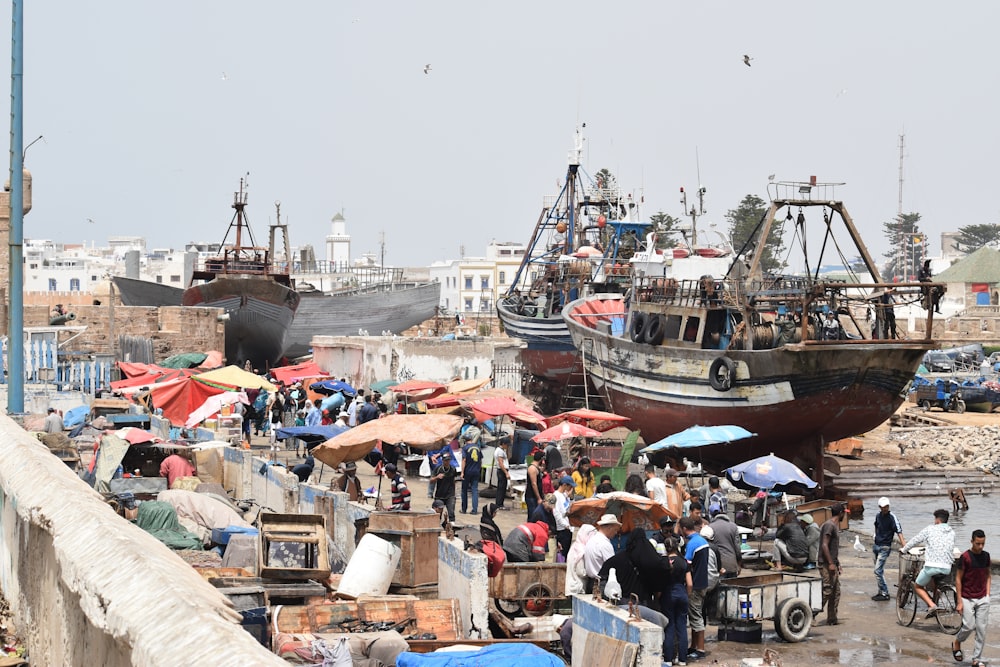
point(966, 446)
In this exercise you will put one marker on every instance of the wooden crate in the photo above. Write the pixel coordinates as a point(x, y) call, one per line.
point(416, 534)
point(440, 617)
point(304, 535)
point(820, 511)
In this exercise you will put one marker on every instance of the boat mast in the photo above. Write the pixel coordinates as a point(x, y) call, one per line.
point(239, 203)
point(575, 157)
point(694, 213)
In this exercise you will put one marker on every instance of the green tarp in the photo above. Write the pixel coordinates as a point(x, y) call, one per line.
point(160, 520)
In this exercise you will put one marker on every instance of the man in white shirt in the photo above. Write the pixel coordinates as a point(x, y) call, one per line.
point(656, 488)
point(599, 549)
point(564, 497)
point(352, 409)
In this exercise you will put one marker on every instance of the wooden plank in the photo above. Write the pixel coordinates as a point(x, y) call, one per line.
point(440, 617)
point(609, 652)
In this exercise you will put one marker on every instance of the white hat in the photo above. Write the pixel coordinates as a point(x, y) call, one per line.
point(608, 520)
point(558, 620)
point(707, 532)
point(883, 502)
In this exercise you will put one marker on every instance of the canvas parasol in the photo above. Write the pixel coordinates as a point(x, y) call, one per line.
point(595, 419)
point(234, 376)
point(701, 436)
point(488, 408)
point(768, 472)
point(418, 390)
point(565, 431)
point(416, 431)
point(632, 510)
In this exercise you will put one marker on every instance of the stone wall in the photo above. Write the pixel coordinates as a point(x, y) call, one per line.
point(602, 618)
point(462, 575)
point(86, 587)
point(173, 329)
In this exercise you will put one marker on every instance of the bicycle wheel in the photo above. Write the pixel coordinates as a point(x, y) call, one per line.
point(946, 598)
point(906, 603)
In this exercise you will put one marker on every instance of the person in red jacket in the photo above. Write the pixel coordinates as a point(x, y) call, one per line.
point(527, 542)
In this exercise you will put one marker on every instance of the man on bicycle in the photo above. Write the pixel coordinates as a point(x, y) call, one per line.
point(940, 541)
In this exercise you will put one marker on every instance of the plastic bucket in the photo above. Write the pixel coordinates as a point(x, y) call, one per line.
point(370, 569)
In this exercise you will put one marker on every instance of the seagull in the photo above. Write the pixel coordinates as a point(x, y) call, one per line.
point(858, 546)
point(427, 68)
point(90, 220)
point(937, 487)
point(771, 177)
point(746, 60)
point(843, 91)
point(224, 77)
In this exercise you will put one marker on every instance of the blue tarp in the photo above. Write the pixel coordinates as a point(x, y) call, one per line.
point(332, 403)
point(496, 655)
point(768, 472)
point(75, 416)
point(309, 433)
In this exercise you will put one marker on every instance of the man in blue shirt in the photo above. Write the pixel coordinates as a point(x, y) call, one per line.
point(367, 412)
point(886, 529)
point(696, 553)
point(472, 465)
point(315, 415)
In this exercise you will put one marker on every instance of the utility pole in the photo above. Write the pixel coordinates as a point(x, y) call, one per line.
point(15, 316)
point(901, 260)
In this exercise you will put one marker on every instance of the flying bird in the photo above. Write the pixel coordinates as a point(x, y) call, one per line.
point(746, 60)
point(427, 68)
point(770, 177)
point(843, 91)
point(224, 77)
point(90, 220)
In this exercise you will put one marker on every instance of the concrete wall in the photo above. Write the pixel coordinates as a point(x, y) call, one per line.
point(588, 617)
point(86, 587)
point(462, 576)
point(365, 360)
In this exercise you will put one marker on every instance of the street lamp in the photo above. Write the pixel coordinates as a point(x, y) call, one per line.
point(25, 151)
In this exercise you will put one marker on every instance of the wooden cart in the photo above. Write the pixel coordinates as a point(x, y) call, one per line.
point(787, 599)
point(529, 589)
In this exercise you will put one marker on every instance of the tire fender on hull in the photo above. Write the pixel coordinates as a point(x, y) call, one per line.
point(722, 373)
point(652, 332)
point(637, 327)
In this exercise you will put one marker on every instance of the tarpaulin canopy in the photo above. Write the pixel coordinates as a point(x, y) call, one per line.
point(178, 400)
point(768, 472)
point(419, 389)
point(565, 431)
point(213, 404)
point(701, 436)
point(149, 375)
point(290, 374)
point(417, 431)
point(488, 408)
point(234, 376)
point(467, 386)
point(328, 387)
point(136, 436)
point(310, 434)
point(184, 360)
point(595, 419)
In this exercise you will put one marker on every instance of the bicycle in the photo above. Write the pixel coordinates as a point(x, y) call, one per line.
point(942, 593)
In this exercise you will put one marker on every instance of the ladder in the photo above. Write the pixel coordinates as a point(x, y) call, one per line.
point(571, 390)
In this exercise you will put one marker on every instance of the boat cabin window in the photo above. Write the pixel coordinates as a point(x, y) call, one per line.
point(691, 330)
point(673, 328)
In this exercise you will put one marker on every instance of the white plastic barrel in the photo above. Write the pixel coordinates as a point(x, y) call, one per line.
point(370, 569)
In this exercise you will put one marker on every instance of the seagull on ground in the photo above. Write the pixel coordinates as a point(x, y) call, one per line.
point(858, 546)
point(427, 68)
point(746, 60)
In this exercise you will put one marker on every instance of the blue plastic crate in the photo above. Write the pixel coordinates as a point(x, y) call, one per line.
point(222, 535)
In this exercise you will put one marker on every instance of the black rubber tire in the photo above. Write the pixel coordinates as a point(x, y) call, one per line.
point(637, 326)
point(722, 373)
point(906, 604)
point(925, 405)
point(652, 333)
point(959, 406)
point(529, 308)
point(792, 619)
point(947, 617)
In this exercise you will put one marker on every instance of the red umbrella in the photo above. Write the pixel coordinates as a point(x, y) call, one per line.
point(499, 406)
point(565, 431)
point(595, 419)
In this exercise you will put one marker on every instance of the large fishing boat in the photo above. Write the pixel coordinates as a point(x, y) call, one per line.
point(791, 357)
point(581, 244)
point(254, 291)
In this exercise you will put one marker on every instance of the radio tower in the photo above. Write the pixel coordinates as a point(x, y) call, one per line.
point(901, 260)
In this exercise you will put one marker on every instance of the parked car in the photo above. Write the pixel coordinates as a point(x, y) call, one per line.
point(938, 362)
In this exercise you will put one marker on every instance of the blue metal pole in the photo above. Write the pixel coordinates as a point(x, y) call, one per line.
point(15, 320)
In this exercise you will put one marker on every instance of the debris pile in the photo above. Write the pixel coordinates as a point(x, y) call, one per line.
point(969, 446)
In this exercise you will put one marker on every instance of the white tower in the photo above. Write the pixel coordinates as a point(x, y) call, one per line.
point(338, 243)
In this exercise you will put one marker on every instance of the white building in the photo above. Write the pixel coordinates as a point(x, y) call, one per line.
point(473, 284)
point(338, 242)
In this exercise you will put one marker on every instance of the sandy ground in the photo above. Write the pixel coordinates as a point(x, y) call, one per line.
point(868, 633)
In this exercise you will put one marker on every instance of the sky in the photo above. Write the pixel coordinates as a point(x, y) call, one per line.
point(151, 113)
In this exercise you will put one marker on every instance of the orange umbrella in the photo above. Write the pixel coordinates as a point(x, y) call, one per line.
point(632, 510)
point(496, 407)
point(419, 390)
point(417, 431)
point(565, 431)
point(595, 419)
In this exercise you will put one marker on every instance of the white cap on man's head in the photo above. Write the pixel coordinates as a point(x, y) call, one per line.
point(883, 502)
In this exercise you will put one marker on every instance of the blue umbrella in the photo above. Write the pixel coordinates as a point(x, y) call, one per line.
point(309, 434)
point(700, 436)
point(332, 387)
point(767, 472)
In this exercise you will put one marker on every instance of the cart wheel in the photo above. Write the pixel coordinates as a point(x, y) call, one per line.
point(792, 619)
point(536, 600)
point(510, 608)
point(925, 405)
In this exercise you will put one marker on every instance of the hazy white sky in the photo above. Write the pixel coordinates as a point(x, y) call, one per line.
point(327, 106)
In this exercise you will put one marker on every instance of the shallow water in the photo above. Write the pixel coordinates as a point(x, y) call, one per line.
point(916, 513)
